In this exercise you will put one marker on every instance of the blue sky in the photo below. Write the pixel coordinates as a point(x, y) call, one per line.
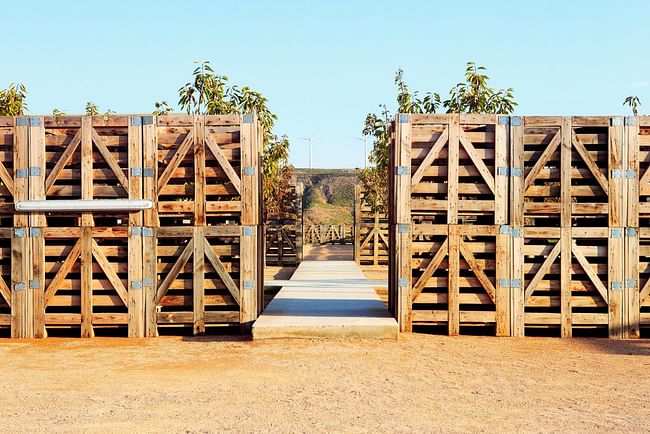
point(325, 65)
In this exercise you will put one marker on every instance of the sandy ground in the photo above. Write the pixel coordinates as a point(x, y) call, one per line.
point(421, 383)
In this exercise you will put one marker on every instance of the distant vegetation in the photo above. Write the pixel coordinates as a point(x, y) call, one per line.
point(329, 195)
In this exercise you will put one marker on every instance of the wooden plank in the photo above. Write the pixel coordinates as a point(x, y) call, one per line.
point(199, 176)
point(565, 173)
point(150, 260)
point(565, 282)
point(19, 283)
point(452, 169)
point(432, 154)
point(198, 282)
point(248, 278)
point(616, 283)
point(591, 164)
point(21, 162)
point(221, 271)
point(453, 306)
point(37, 257)
point(149, 162)
point(357, 224)
point(176, 160)
point(502, 294)
point(223, 162)
point(478, 163)
point(86, 277)
point(108, 157)
point(62, 161)
point(62, 272)
point(433, 265)
point(86, 176)
point(175, 270)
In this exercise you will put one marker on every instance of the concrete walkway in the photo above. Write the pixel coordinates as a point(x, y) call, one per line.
point(326, 299)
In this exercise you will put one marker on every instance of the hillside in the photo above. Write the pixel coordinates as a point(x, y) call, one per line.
point(329, 195)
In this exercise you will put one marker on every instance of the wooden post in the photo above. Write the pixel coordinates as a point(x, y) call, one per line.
point(249, 280)
point(631, 304)
point(453, 302)
point(87, 166)
point(199, 171)
point(517, 327)
point(452, 168)
point(357, 223)
point(135, 305)
point(402, 181)
point(20, 263)
point(36, 243)
point(86, 278)
point(299, 224)
point(199, 281)
point(503, 292)
point(565, 219)
point(616, 230)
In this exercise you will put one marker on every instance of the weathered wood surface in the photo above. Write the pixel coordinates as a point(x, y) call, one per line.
point(542, 215)
point(190, 261)
point(370, 232)
point(328, 234)
point(284, 233)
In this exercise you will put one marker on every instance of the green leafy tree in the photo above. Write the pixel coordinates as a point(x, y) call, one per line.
point(634, 102)
point(162, 108)
point(92, 109)
point(211, 94)
point(57, 112)
point(12, 100)
point(474, 95)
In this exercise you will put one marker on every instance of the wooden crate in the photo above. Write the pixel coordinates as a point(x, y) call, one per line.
point(202, 278)
point(284, 233)
point(86, 157)
point(200, 167)
point(569, 278)
point(87, 279)
point(371, 244)
point(458, 277)
point(569, 171)
point(456, 172)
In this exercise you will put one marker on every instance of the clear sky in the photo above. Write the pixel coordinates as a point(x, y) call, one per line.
point(325, 65)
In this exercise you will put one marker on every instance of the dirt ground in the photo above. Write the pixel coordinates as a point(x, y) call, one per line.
point(421, 383)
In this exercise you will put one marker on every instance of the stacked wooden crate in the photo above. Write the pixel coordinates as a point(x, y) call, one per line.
point(284, 233)
point(544, 212)
point(450, 205)
point(130, 271)
point(370, 232)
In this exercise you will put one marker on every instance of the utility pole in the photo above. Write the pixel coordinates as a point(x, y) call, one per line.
point(365, 151)
point(309, 139)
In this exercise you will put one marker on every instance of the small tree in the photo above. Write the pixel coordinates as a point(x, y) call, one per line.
point(92, 109)
point(209, 93)
point(474, 95)
point(12, 100)
point(634, 102)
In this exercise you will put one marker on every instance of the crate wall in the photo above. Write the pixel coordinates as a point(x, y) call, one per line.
point(94, 272)
point(284, 233)
point(370, 232)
